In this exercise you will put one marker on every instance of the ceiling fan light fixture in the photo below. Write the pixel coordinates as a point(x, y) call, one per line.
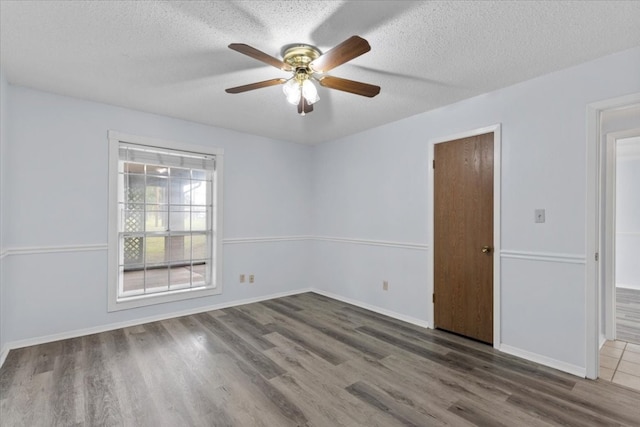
point(310, 92)
point(292, 91)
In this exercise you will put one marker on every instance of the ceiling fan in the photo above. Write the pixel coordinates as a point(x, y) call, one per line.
point(307, 63)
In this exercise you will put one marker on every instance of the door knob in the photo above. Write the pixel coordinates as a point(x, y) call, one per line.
point(486, 249)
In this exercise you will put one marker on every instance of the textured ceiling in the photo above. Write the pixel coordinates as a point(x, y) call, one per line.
point(171, 58)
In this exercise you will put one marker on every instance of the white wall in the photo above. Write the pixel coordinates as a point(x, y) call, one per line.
point(57, 196)
point(3, 141)
point(373, 187)
point(628, 213)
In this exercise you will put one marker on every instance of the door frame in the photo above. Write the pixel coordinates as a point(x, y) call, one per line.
point(497, 168)
point(608, 165)
point(594, 242)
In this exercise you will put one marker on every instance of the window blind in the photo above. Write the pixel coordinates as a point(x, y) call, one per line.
point(164, 157)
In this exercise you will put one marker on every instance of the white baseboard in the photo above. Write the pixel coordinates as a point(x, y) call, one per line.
point(135, 322)
point(603, 339)
point(384, 311)
point(624, 286)
point(3, 354)
point(579, 371)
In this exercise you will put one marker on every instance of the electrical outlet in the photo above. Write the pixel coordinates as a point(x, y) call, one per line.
point(242, 278)
point(539, 216)
point(251, 278)
point(385, 285)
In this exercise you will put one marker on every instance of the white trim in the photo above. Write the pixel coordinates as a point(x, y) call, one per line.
point(245, 240)
point(608, 175)
point(140, 321)
point(215, 287)
point(593, 225)
point(608, 180)
point(4, 353)
point(36, 250)
point(544, 360)
point(544, 256)
point(603, 340)
point(376, 309)
point(497, 197)
point(4, 254)
point(628, 233)
point(403, 245)
point(624, 286)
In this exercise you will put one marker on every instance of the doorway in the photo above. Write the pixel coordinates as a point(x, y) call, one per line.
point(598, 295)
point(464, 219)
point(622, 236)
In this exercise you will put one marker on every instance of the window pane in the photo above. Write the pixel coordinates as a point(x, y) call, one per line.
point(180, 191)
point(180, 173)
point(133, 281)
point(179, 249)
point(157, 218)
point(180, 218)
point(199, 248)
point(134, 188)
point(180, 277)
point(198, 219)
point(157, 279)
point(198, 274)
point(198, 174)
point(187, 247)
point(133, 220)
point(199, 193)
point(157, 190)
point(157, 170)
point(155, 249)
point(134, 168)
point(133, 250)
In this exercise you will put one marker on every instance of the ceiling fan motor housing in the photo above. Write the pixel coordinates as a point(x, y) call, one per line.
point(299, 56)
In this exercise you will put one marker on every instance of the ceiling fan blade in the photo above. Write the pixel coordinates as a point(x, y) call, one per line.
point(350, 86)
point(258, 85)
point(304, 107)
point(260, 56)
point(307, 107)
point(351, 48)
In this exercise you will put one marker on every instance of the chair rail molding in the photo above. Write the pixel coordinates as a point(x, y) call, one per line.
point(369, 242)
point(35, 250)
point(543, 256)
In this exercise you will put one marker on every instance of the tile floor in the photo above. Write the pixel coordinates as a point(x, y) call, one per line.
point(620, 363)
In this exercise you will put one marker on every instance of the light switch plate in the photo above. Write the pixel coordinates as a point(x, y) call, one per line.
point(539, 215)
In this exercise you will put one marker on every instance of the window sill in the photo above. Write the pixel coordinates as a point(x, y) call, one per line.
point(125, 303)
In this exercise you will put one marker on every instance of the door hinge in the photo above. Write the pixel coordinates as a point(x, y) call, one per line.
point(434, 163)
point(597, 256)
point(433, 298)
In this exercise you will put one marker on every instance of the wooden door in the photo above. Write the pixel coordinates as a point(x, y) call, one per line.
point(463, 236)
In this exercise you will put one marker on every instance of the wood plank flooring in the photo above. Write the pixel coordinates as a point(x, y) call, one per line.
point(304, 360)
point(628, 315)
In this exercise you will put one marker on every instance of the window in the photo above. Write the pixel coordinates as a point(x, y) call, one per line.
point(164, 223)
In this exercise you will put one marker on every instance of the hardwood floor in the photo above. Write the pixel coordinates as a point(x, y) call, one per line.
point(295, 361)
point(628, 315)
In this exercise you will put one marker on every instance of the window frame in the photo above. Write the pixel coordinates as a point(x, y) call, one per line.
point(114, 302)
